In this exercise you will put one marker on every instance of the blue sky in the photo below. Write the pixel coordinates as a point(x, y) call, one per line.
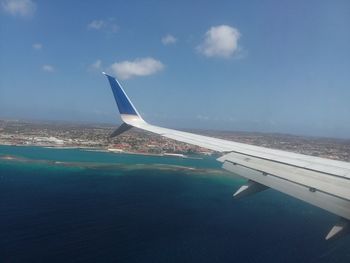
point(270, 66)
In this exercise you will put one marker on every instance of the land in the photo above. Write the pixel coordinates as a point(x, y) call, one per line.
point(96, 137)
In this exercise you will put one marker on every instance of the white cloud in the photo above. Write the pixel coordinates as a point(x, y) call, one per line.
point(220, 41)
point(37, 46)
point(23, 8)
point(107, 25)
point(96, 66)
point(96, 24)
point(138, 67)
point(169, 39)
point(48, 68)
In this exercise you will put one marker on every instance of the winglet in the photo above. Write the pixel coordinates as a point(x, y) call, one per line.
point(124, 104)
point(127, 110)
point(121, 129)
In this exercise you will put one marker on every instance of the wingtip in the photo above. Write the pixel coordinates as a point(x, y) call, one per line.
point(124, 104)
point(104, 73)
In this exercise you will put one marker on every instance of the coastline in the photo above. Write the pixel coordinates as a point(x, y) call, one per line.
point(96, 149)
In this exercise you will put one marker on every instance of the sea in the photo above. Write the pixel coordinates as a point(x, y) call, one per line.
point(74, 205)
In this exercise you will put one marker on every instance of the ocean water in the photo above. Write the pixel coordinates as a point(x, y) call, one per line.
point(77, 206)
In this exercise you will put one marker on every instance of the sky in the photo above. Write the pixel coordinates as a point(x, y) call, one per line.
point(262, 66)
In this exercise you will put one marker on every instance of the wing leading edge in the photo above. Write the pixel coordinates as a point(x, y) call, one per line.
point(321, 182)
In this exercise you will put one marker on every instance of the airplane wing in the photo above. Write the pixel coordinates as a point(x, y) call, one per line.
point(321, 182)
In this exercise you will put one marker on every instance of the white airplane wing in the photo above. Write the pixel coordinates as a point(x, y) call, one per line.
point(321, 182)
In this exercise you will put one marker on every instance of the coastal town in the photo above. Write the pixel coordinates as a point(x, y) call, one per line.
point(96, 137)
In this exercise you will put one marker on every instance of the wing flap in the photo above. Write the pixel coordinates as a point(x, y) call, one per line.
point(323, 200)
point(333, 185)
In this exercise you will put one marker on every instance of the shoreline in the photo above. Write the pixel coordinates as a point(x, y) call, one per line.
point(93, 149)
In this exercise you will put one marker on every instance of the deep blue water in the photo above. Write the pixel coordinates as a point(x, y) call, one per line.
point(103, 207)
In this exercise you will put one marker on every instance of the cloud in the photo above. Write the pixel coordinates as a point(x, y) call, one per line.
point(96, 66)
point(169, 39)
point(48, 68)
point(96, 24)
point(138, 67)
point(220, 41)
point(37, 46)
point(108, 25)
point(24, 8)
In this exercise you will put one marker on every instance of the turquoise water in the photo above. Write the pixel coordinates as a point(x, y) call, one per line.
point(76, 155)
point(77, 206)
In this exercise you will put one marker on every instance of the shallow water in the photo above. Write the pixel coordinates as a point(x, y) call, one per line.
point(79, 206)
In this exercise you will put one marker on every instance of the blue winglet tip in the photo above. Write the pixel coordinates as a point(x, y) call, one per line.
point(124, 104)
